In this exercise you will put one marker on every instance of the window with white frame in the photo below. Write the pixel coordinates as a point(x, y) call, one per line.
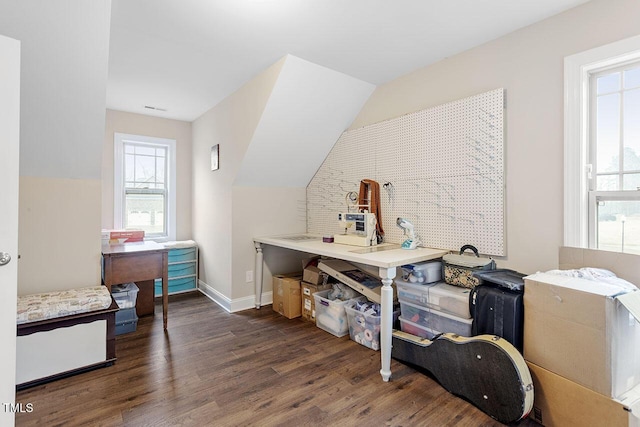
point(144, 185)
point(602, 148)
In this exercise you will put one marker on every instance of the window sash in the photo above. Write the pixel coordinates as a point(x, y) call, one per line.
point(165, 185)
point(145, 205)
point(595, 197)
point(159, 160)
point(593, 98)
point(577, 169)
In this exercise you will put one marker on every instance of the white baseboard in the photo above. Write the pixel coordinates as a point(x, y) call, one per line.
point(230, 305)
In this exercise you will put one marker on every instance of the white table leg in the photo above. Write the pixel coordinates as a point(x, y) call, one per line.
point(258, 275)
point(386, 320)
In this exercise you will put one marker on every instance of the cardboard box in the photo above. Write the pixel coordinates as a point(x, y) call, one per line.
point(584, 331)
point(623, 265)
point(287, 298)
point(308, 301)
point(559, 402)
point(115, 237)
point(311, 272)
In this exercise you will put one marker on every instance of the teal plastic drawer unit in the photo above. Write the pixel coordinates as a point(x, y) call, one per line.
point(183, 254)
point(183, 270)
point(177, 285)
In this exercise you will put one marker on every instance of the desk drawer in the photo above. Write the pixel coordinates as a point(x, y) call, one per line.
point(133, 267)
point(176, 285)
point(182, 254)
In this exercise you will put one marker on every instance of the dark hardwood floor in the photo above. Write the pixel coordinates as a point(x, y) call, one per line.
point(255, 367)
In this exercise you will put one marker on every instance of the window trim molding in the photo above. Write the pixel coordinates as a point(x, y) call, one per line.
point(118, 196)
point(576, 125)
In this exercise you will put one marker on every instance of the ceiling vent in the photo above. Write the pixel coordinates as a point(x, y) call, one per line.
point(150, 107)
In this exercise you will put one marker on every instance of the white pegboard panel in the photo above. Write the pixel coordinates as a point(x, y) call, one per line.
point(446, 169)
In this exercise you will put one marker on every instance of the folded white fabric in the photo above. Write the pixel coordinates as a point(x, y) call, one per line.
point(596, 274)
point(180, 244)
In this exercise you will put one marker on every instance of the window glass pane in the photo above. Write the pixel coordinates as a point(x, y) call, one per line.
point(145, 212)
point(160, 169)
point(632, 78)
point(619, 226)
point(608, 133)
point(608, 83)
point(632, 130)
point(631, 181)
point(161, 152)
point(145, 169)
point(607, 183)
point(128, 148)
point(144, 150)
point(128, 167)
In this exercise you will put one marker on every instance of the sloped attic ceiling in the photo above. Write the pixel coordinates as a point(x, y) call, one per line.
point(309, 108)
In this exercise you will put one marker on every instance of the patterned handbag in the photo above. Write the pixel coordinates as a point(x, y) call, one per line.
point(457, 269)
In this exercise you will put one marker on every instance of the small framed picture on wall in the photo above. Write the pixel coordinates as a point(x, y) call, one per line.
point(215, 157)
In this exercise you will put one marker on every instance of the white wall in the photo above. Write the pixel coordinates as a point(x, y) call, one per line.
point(231, 124)
point(58, 234)
point(138, 124)
point(273, 133)
point(264, 211)
point(308, 109)
point(65, 47)
point(529, 65)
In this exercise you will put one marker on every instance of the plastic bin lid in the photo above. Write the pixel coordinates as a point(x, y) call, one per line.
point(126, 287)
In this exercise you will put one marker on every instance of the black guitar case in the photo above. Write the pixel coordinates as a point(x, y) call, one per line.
point(486, 370)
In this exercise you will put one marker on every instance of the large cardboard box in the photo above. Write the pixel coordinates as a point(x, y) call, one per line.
point(287, 298)
point(308, 301)
point(625, 266)
point(559, 402)
point(583, 330)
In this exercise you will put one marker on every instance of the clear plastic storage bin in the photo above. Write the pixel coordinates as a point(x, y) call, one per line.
point(126, 320)
point(125, 295)
point(331, 315)
point(435, 320)
point(423, 272)
point(417, 330)
point(364, 328)
point(439, 296)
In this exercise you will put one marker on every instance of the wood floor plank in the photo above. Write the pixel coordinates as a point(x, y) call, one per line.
point(253, 368)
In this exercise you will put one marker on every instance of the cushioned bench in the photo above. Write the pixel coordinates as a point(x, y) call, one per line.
point(63, 333)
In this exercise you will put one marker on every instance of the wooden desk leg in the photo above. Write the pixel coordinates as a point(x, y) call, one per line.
point(165, 288)
point(386, 320)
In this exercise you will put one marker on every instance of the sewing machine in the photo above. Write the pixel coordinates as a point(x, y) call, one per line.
point(359, 229)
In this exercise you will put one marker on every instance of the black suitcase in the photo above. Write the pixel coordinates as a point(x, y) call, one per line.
point(498, 309)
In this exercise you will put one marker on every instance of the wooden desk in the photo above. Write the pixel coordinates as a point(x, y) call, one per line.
point(142, 263)
point(386, 257)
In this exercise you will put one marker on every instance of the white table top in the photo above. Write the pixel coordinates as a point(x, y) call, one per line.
point(385, 255)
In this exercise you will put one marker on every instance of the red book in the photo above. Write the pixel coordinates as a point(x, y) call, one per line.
point(125, 236)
